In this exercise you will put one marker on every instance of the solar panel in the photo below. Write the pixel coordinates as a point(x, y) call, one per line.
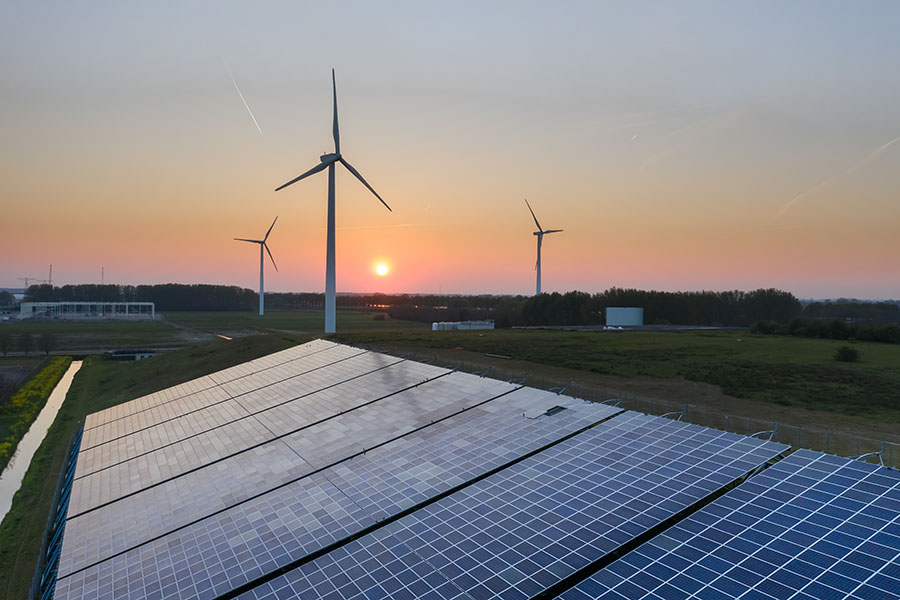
point(136, 499)
point(275, 382)
point(185, 457)
point(205, 382)
point(269, 531)
point(522, 529)
point(207, 411)
point(811, 526)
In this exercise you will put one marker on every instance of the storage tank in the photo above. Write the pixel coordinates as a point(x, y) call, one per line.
point(624, 317)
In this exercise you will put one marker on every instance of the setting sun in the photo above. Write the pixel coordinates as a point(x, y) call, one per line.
point(382, 269)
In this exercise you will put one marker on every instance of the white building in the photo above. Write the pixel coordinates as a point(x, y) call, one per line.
point(454, 325)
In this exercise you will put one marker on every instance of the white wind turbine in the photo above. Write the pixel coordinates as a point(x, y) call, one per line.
point(262, 244)
point(329, 161)
point(540, 233)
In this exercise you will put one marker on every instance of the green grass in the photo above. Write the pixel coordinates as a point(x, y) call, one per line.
point(311, 321)
point(788, 371)
point(95, 335)
point(102, 383)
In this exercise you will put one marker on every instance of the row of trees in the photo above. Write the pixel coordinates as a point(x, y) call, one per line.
point(25, 342)
point(731, 308)
point(831, 329)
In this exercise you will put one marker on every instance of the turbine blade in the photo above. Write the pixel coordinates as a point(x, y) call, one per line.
point(312, 171)
point(360, 177)
point(532, 215)
point(246, 240)
point(337, 134)
point(553, 231)
point(270, 230)
point(266, 246)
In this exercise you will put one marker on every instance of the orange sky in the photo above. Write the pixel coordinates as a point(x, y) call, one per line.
point(665, 142)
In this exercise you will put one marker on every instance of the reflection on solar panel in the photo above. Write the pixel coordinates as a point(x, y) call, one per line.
point(523, 529)
point(210, 492)
point(380, 483)
point(811, 526)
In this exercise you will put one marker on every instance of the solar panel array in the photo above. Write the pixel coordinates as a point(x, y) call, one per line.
point(326, 471)
point(811, 526)
point(521, 530)
point(186, 513)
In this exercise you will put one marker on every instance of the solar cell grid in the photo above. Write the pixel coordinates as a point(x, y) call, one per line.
point(218, 412)
point(181, 391)
point(380, 483)
point(118, 525)
point(523, 529)
point(811, 526)
point(180, 458)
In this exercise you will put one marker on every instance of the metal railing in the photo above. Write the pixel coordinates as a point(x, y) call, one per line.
point(43, 586)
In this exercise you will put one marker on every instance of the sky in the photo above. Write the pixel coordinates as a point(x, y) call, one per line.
point(680, 145)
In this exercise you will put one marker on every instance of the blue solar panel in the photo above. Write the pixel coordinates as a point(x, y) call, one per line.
point(811, 526)
point(265, 533)
point(521, 530)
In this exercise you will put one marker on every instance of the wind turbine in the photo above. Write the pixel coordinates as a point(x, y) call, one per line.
point(540, 233)
point(329, 161)
point(262, 244)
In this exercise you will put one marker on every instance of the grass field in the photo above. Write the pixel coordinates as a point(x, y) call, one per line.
point(285, 320)
point(787, 371)
point(182, 329)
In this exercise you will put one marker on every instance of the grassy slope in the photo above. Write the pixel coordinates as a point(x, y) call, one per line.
point(101, 384)
point(788, 371)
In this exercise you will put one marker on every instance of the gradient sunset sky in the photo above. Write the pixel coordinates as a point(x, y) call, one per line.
point(680, 145)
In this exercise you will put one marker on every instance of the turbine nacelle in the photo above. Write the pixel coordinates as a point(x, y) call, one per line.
point(330, 158)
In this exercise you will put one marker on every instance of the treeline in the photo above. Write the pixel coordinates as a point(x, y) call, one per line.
point(733, 308)
point(167, 296)
point(831, 329)
point(858, 312)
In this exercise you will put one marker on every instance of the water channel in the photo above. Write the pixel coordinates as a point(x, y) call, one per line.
point(14, 472)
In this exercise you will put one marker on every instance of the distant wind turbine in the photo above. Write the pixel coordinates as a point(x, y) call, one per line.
point(540, 233)
point(262, 244)
point(329, 161)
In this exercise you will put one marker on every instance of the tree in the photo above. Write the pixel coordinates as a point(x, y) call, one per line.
point(47, 342)
point(7, 300)
point(25, 342)
point(5, 342)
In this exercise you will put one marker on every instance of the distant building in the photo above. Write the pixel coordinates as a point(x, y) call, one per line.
point(454, 325)
point(88, 310)
point(624, 317)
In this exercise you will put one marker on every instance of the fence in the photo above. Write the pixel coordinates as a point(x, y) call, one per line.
point(831, 442)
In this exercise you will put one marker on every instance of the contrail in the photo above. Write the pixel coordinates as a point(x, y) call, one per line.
point(829, 180)
point(247, 106)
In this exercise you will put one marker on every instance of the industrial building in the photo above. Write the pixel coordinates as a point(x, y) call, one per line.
point(88, 310)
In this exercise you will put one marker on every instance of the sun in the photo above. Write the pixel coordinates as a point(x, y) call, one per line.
point(382, 269)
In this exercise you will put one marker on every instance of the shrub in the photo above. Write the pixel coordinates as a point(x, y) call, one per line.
point(846, 354)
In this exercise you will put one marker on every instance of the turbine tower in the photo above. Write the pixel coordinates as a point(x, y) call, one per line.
point(540, 233)
point(329, 161)
point(262, 244)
